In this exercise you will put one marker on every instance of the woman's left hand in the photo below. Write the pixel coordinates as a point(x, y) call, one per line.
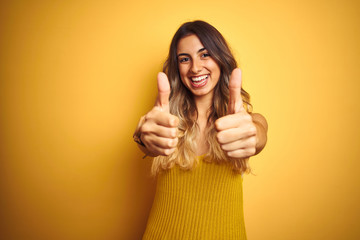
point(237, 133)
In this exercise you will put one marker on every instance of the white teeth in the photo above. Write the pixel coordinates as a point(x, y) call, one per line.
point(197, 79)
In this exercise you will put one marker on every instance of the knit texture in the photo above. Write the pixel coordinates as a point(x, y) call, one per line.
point(203, 203)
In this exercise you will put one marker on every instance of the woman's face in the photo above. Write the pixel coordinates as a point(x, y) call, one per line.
point(198, 70)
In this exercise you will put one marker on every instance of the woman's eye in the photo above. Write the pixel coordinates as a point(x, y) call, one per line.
point(206, 55)
point(184, 60)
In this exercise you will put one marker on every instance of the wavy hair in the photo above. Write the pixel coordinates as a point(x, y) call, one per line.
point(183, 106)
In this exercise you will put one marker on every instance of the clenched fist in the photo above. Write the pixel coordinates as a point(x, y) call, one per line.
point(237, 133)
point(158, 128)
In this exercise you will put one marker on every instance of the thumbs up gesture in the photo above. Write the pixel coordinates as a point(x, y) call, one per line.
point(237, 134)
point(158, 130)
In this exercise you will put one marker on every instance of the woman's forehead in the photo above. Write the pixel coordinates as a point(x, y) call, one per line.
point(189, 44)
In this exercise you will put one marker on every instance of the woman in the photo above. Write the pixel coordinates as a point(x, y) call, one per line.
point(201, 133)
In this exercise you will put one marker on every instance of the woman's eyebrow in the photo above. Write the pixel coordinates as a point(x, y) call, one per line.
point(183, 54)
point(201, 49)
point(186, 54)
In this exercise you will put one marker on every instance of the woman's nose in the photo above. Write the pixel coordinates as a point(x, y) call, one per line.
point(196, 66)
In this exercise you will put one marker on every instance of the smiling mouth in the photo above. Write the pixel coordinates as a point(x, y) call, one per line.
point(199, 81)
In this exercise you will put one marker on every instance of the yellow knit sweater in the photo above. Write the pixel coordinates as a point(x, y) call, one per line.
point(203, 203)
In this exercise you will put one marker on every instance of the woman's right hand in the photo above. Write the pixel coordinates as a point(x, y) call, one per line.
point(158, 130)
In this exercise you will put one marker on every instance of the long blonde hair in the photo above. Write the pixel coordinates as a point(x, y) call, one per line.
point(183, 106)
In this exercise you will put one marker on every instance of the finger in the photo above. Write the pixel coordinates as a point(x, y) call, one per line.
point(167, 152)
point(163, 85)
point(162, 118)
point(158, 130)
point(234, 134)
point(162, 142)
point(233, 121)
point(240, 144)
point(160, 150)
point(235, 100)
point(242, 153)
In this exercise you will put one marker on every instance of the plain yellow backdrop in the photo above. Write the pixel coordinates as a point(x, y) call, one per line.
point(77, 75)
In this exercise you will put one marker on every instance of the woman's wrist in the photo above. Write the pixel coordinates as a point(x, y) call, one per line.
point(261, 131)
point(137, 133)
point(137, 139)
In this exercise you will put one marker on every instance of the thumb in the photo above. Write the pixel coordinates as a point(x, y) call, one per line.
point(235, 100)
point(163, 85)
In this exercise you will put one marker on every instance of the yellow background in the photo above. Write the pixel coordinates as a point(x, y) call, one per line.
point(77, 75)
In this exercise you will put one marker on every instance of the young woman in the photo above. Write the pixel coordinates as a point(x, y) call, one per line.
point(201, 133)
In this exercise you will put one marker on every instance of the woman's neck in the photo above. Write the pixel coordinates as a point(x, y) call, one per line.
point(203, 105)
